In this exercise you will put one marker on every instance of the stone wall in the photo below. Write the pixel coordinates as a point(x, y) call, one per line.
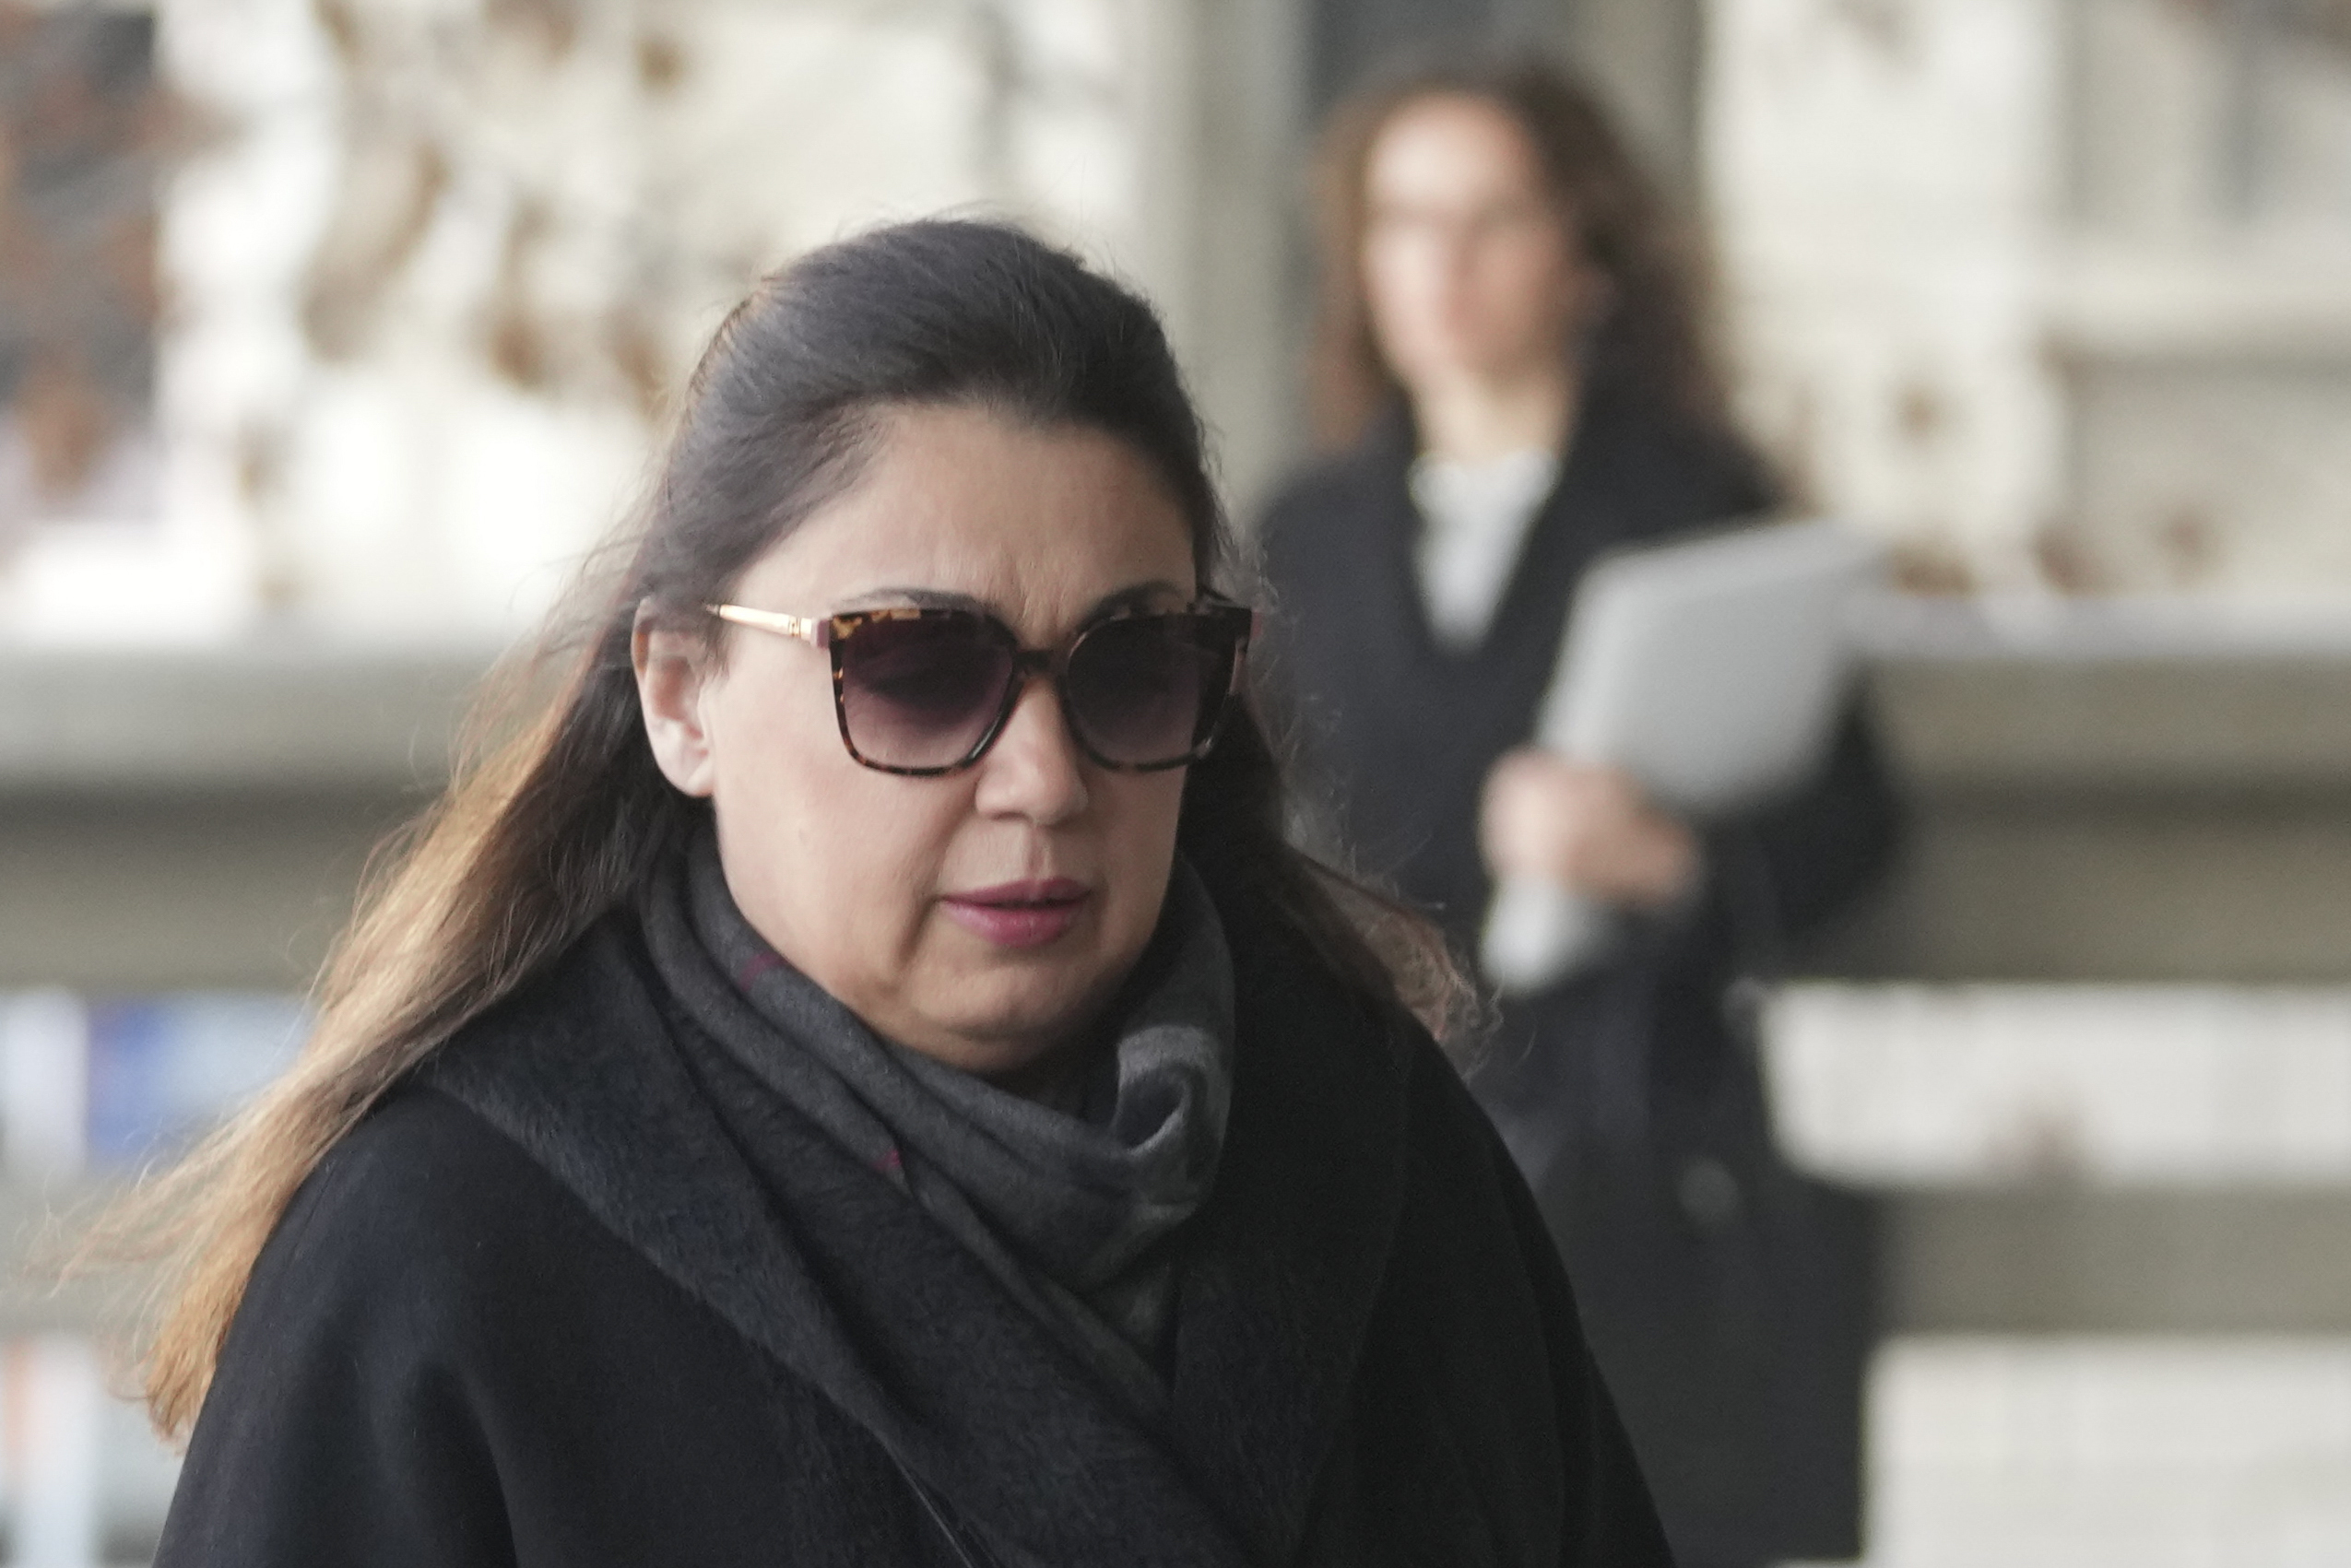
point(2054, 291)
point(84, 126)
point(443, 265)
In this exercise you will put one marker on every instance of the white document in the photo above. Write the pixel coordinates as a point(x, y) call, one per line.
point(1713, 671)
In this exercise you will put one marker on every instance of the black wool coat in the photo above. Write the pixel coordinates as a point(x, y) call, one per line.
point(542, 1309)
point(1727, 1299)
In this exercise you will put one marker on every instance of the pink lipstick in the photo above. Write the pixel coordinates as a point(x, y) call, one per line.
point(1019, 914)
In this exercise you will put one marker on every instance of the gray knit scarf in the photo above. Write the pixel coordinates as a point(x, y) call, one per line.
point(1066, 1206)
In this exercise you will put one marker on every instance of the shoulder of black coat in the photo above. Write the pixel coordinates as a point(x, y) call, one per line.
point(1285, 982)
point(1450, 1125)
point(1691, 471)
point(1331, 491)
point(422, 1214)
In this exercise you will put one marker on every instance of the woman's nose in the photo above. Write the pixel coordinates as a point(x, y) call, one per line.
point(1034, 769)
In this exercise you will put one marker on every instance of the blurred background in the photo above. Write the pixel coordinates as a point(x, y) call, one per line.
point(333, 332)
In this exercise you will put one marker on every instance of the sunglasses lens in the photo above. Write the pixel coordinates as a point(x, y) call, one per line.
point(1146, 691)
point(922, 692)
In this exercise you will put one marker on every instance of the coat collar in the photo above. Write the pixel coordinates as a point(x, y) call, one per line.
point(854, 1289)
point(1291, 1253)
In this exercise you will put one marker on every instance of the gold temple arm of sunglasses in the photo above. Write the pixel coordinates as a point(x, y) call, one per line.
point(807, 629)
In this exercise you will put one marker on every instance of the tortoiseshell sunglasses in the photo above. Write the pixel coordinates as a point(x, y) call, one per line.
point(927, 691)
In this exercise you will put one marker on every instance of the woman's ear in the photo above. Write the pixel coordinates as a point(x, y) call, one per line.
point(672, 669)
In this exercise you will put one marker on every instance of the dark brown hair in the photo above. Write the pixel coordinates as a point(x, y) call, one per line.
point(566, 819)
point(1654, 340)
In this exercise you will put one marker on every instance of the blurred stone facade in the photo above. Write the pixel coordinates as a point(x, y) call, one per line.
point(85, 128)
point(443, 264)
point(2058, 292)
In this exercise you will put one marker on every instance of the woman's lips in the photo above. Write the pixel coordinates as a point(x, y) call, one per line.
point(1019, 914)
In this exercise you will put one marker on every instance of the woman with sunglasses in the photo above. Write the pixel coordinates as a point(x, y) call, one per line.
point(1514, 380)
point(859, 1077)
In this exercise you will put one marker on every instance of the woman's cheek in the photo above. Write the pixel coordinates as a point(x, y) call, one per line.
point(1145, 847)
point(902, 853)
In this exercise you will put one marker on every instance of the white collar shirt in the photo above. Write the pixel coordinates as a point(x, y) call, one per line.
point(1474, 522)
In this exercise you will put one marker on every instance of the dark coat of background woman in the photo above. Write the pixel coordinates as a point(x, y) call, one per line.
point(1726, 1298)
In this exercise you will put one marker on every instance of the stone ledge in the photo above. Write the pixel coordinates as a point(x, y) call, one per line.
point(265, 716)
point(2143, 1260)
point(2141, 726)
point(2069, 698)
point(2119, 696)
point(2205, 1261)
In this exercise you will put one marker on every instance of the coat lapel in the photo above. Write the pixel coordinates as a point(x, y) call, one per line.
point(838, 1275)
point(1286, 1264)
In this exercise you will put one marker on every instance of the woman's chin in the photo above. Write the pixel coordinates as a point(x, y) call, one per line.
point(990, 1040)
point(995, 1006)
point(1011, 1036)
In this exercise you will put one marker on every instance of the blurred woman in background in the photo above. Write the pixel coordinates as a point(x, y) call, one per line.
point(861, 1078)
point(1512, 366)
